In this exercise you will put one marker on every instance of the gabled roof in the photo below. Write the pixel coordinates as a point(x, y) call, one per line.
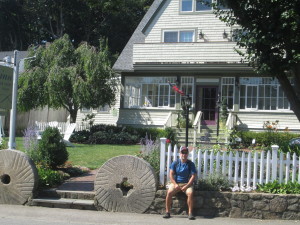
point(124, 62)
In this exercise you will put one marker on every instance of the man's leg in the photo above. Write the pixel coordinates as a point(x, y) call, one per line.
point(169, 200)
point(190, 202)
point(171, 192)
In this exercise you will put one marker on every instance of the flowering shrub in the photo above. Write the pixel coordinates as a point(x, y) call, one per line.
point(150, 152)
point(30, 143)
point(214, 182)
point(148, 145)
point(271, 126)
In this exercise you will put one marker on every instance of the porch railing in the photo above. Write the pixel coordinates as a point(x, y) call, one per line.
point(231, 120)
point(197, 126)
point(230, 123)
point(244, 169)
point(168, 121)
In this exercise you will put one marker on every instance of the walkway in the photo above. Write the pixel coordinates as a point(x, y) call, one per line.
point(80, 183)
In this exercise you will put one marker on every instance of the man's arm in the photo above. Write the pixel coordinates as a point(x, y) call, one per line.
point(172, 179)
point(190, 183)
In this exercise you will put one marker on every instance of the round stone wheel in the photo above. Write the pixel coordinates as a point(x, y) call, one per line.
point(137, 173)
point(18, 177)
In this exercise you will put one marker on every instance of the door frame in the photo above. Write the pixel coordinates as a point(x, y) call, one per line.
point(199, 100)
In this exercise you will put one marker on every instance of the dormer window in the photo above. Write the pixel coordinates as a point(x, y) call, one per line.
point(178, 36)
point(187, 5)
point(199, 5)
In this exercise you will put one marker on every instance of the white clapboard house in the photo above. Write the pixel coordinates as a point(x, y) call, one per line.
point(183, 42)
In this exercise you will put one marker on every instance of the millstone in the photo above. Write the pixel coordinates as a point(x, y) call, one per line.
point(18, 177)
point(136, 172)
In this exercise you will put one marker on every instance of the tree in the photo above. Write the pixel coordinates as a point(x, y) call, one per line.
point(11, 25)
point(270, 32)
point(68, 77)
point(27, 22)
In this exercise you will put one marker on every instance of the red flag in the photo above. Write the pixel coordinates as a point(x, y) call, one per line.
point(176, 89)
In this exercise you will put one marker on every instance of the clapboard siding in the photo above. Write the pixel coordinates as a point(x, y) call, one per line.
point(255, 120)
point(169, 17)
point(186, 52)
point(110, 117)
point(140, 117)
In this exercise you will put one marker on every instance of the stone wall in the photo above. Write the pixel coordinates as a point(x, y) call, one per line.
point(232, 204)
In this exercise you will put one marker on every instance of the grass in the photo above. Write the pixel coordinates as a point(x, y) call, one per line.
point(92, 156)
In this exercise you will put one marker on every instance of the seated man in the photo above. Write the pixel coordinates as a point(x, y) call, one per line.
point(182, 176)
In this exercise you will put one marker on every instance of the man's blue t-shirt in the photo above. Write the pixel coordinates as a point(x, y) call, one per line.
point(182, 171)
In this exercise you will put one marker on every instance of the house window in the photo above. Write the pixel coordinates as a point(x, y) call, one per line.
point(283, 103)
point(187, 86)
point(200, 5)
point(187, 5)
point(104, 109)
point(132, 95)
point(86, 110)
point(262, 94)
point(179, 36)
point(227, 91)
point(149, 92)
point(203, 5)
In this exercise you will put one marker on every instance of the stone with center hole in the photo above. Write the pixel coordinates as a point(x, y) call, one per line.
point(5, 179)
point(125, 186)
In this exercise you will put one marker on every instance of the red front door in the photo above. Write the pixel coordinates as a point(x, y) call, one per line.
point(206, 103)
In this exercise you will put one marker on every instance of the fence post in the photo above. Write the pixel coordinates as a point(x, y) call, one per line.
point(162, 160)
point(274, 161)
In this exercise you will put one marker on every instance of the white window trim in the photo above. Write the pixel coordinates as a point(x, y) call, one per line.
point(103, 112)
point(86, 110)
point(152, 107)
point(262, 110)
point(194, 8)
point(246, 97)
point(234, 90)
point(178, 34)
point(193, 89)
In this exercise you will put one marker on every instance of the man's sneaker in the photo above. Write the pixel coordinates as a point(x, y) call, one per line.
point(167, 215)
point(191, 217)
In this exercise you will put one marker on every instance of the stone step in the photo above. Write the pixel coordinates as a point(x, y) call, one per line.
point(66, 203)
point(54, 193)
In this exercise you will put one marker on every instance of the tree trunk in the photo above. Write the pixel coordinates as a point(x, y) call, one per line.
point(73, 115)
point(290, 93)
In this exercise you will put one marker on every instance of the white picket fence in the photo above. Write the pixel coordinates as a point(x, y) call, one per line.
point(244, 169)
point(62, 126)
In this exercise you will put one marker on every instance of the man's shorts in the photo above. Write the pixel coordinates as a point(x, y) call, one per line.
point(189, 190)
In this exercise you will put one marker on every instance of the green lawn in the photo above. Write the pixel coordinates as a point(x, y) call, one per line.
point(92, 156)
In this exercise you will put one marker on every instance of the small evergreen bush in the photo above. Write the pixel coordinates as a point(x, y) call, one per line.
point(80, 136)
point(52, 149)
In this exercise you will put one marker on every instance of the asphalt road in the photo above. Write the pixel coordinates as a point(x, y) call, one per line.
point(25, 215)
